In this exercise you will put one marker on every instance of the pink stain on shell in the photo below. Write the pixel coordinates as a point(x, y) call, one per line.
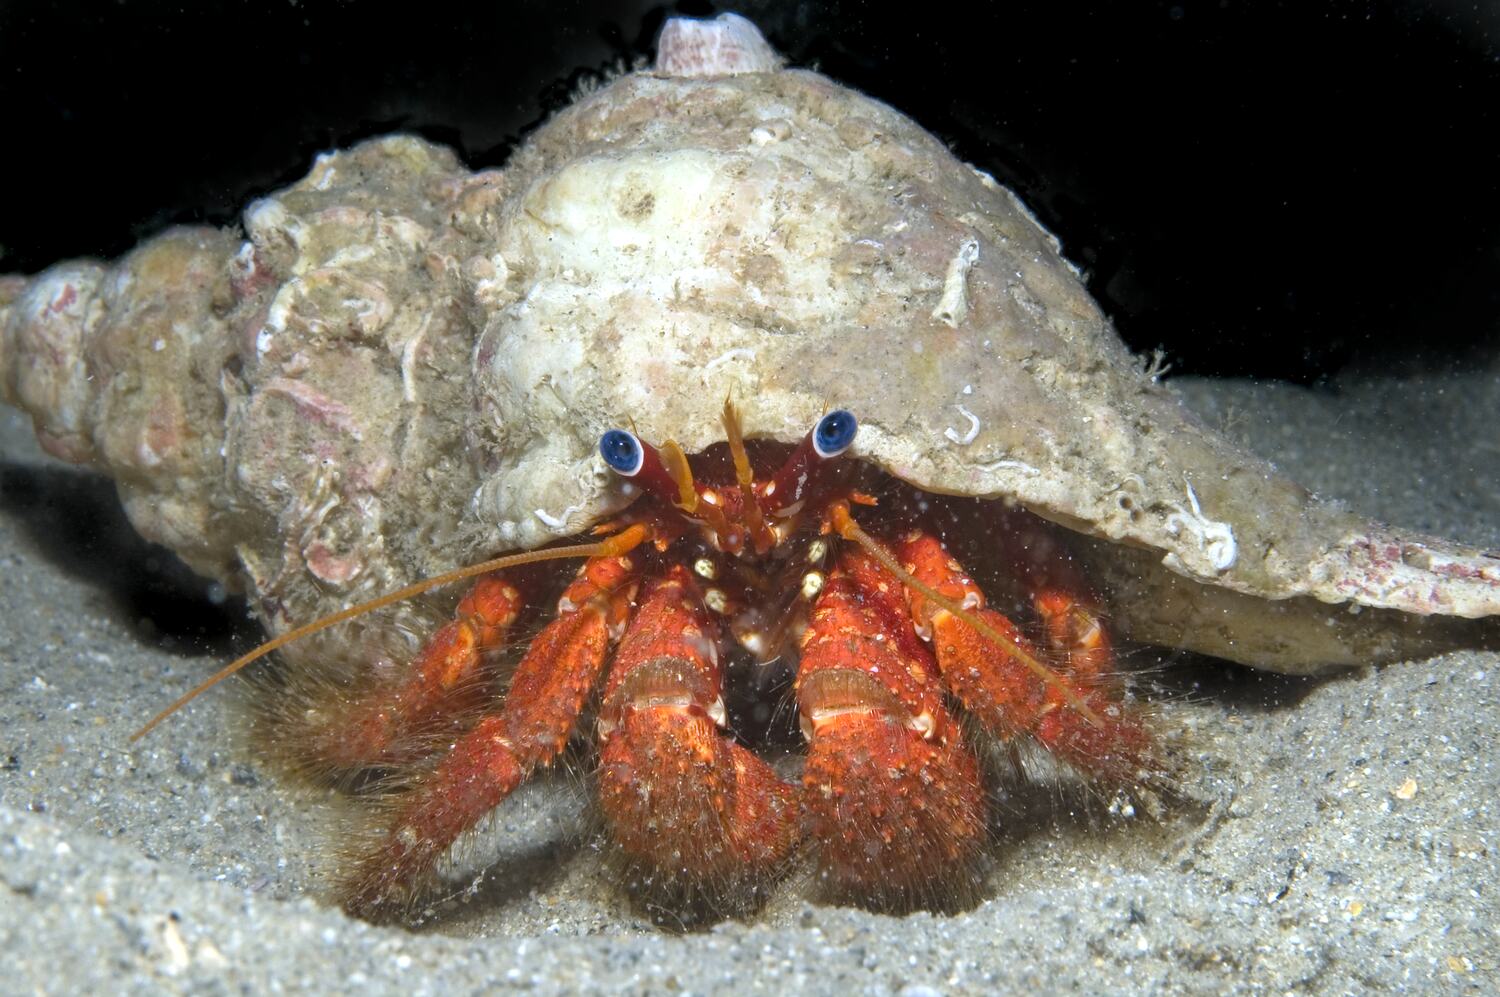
point(314, 404)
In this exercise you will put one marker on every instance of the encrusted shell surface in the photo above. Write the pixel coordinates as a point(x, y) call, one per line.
point(404, 366)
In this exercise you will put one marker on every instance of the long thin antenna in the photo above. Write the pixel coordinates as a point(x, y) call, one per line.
point(620, 543)
point(847, 528)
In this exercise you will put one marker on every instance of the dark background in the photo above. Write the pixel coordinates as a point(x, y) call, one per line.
point(1269, 189)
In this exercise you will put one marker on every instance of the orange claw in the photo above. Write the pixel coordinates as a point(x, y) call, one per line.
point(547, 692)
point(893, 793)
point(1007, 696)
point(682, 799)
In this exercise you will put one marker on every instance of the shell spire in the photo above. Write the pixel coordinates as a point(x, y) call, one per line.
point(724, 46)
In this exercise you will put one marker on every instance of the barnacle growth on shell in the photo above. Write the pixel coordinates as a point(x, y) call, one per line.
point(400, 365)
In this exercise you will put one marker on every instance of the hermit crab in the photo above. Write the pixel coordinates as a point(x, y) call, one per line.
point(401, 366)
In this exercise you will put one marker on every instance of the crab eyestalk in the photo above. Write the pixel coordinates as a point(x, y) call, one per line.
point(642, 464)
point(800, 476)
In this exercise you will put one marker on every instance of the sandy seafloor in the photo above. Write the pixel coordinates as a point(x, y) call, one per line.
point(1347, 839)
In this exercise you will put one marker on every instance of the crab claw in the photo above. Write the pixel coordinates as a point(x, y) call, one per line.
point(685, 803)
point(894, 797)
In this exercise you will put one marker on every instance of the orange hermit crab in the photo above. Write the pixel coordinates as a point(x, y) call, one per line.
point(401, 365)
point(885, 632)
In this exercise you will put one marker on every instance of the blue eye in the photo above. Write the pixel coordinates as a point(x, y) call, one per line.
point(833, 433)
point(622, 451)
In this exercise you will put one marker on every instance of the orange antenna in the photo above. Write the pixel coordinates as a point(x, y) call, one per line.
point(846, 527)
point(622, 542)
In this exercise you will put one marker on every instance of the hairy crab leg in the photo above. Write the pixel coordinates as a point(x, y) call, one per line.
point(893, 794)
point(1006, 696)
point(387, 725)
point(681, 798)
point(547, 692)
point(1060, 595)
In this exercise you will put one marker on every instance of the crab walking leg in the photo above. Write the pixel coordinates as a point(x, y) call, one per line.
point(893, 793)
point(1060, 596)
point(679, 796)
point(1008, 697)
point(549, 688)
point(1075, 631)
point(385, 726)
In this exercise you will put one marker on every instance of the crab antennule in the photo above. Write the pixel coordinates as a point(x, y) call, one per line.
point(761, 537)
point(665, 473)
point(622, 542)
point(675, 462)
point(799, 476)
point(702, 506)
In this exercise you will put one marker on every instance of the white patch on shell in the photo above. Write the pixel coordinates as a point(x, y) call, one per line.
point(409, 360)
point(323, 172)
point(727, 45)
point(953, 306)
point(774, 130)
point(276, 315)
point(1215, 538)
point(1005, 464)
point(967, 436)
point(739, 353)
point(559, 523)
point(489, 277)
point(268, 219)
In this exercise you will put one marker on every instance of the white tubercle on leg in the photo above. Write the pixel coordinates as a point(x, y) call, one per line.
point(726, 45)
